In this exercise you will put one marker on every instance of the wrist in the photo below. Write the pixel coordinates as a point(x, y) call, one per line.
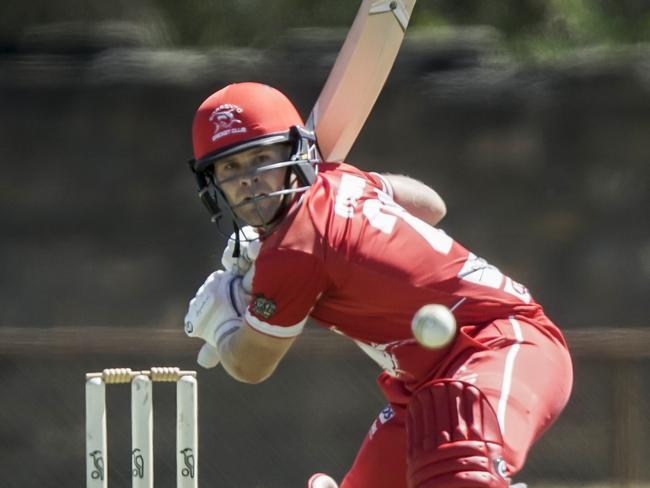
point(224, 332)
point(239, 297)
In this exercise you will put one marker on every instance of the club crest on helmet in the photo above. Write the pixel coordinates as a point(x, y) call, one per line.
point(224, 118)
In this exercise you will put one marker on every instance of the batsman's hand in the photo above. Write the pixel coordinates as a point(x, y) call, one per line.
point(217, 308)
point(249, 248)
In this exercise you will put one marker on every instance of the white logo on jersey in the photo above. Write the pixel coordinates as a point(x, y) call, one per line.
point(479, 271)
point(350, 191)
point(517, 289)
point(384, 416)
point(378, 353)
point(383, 213)
point(501, 467)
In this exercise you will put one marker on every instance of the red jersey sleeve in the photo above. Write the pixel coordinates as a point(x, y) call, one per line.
point(286, 285)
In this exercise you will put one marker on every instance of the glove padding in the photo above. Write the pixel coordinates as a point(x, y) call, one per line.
point(208, 356)
point(217, 308)
point(249, 248)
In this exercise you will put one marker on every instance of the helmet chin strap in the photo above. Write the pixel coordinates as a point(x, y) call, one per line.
point(267, 227)
point(237, 250)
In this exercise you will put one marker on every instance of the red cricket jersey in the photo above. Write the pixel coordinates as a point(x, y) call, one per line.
point(349, 257)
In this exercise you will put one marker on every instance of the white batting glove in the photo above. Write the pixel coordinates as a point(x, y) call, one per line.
point(217, 308)
point(208, 356)
point(249, 248)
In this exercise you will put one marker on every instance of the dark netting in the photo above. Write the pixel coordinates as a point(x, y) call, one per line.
point(310, 416)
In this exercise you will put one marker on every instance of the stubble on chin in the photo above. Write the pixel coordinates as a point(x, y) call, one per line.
point(257, 218)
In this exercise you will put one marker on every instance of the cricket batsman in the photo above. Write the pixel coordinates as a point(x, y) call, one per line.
point(360, 253)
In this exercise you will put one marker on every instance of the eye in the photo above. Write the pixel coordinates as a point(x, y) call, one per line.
point(229, 166)
point(262, 158)
point(225, 169)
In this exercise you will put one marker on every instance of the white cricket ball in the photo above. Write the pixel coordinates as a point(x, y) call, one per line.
point(434, 326)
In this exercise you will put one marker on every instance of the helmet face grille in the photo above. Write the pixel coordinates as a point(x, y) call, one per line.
point(209, 160)
point(243, 116)
point(300, 174)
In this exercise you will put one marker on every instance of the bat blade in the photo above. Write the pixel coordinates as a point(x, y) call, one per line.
point(358, 75)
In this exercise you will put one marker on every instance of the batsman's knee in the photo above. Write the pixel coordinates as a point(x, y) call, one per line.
point(454, 439)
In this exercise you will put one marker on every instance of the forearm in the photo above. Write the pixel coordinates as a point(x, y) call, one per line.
point(417, 198)
point(251, 357)
point(230, 352)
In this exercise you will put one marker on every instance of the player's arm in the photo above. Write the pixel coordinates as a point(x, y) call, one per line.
point(217, 314)
point(251, 356)
point(250, 322)
point(417, 198)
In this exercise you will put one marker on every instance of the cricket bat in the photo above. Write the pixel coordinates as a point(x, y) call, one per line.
point(358, 75)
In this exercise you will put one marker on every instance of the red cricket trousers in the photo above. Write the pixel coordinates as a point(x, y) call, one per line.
point(524, 371)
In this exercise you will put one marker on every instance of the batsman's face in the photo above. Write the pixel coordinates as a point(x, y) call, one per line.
point(247, 185)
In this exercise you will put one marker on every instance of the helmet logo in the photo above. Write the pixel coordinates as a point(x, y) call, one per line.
point(225, 121)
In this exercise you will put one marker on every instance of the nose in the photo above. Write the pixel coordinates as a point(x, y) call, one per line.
point(248, 180)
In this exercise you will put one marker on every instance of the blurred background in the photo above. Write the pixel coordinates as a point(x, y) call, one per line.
point(530, 117)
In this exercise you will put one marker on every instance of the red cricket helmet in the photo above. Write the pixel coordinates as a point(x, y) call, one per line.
point(239, 117)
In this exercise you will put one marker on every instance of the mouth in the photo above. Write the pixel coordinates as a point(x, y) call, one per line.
point(257, 196)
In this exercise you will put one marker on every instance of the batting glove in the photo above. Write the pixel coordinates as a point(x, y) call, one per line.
point(208, 356)
point(249, 248)
point(217, 308)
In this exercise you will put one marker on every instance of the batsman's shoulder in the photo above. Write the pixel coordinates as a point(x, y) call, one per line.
point(335, 172)
point(331, 168)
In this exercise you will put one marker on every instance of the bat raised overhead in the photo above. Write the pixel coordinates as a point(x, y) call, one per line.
point(358, 75)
